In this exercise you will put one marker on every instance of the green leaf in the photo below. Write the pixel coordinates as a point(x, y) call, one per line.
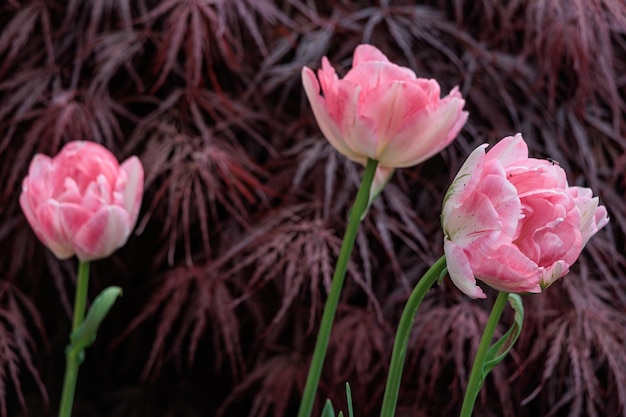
point(442, 275)
point(85, 334)
point(328, 410)
point(498, 351)
point(349, 399)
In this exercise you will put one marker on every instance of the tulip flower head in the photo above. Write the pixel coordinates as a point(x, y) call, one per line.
point(513, 222)
point(382, 111)
point(82, 201)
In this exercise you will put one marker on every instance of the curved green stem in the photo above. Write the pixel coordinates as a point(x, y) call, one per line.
point(323, 335)
point(475, 381)
point(73, 358)
point(402, 336)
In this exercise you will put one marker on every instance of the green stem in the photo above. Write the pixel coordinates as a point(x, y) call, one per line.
point(321, 344)
point(73, 358)
point(402, 336)
point(475, 381)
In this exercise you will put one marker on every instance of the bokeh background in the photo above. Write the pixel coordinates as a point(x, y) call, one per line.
point(245, 204)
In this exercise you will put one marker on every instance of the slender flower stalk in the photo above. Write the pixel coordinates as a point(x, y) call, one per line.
point(321, 344)
point(74, 357)
point(402, 336)
point(475, 381)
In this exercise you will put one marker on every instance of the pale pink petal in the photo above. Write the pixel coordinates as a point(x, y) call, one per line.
point(538, 175)
point(460, 270)
point(384, 107)
point(465, 181)
point(508, 269)
point(425, 134)
point(552, 273)
point(475, 226)
point(358, 131)
point(367, 53)
point(97, 194)
point(502, 195)
point(328, 126)
point(592, 216)
point(132, 189)
point(36, 185)
point(558, 244)
point(509, 150)
point(30, 212)
point(550, 231)
point(72, 218)
point(70, 192)
point(432, 91)
point(374, 74)
point(390, 107)
point(39, 168)
point(601, 219)
point(84, 161)
point(50, 231)
point(106, 231)
point(328, 78)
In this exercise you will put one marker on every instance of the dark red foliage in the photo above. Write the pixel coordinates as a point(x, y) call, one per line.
point(245, 204)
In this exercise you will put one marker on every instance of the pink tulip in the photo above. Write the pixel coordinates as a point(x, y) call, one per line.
point(82, 201)
point(382, 111)
point(513, 222)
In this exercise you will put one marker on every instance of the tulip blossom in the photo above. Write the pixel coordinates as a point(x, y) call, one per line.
point(82, 201)
point(513, 222)
point(382, 111)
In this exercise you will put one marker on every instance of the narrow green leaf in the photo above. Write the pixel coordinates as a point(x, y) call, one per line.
point(498, 351)
point(349, 399)
point(442, 275)
point(85, 334)
point(328, 410)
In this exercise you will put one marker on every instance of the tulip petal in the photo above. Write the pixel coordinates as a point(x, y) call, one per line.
point(371, 75)
point(475, 227)
point(592, 217)
point(327, 125)
point(367, 53)
point(508, 269)
point(503, 197)
point(102, 234)
point(460, 270)
point(28, 208)
point(132, 189)
point(48, 228)
point(536, 175)
point(388, 106)
point(383, 106)
point(509, 150)
point(36, 185)
point(359, 132)
point(72, 218)
point(425, 134)
point(465, 182)
point(552, 273)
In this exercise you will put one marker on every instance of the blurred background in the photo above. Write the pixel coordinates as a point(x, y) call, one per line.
point(245, 205)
